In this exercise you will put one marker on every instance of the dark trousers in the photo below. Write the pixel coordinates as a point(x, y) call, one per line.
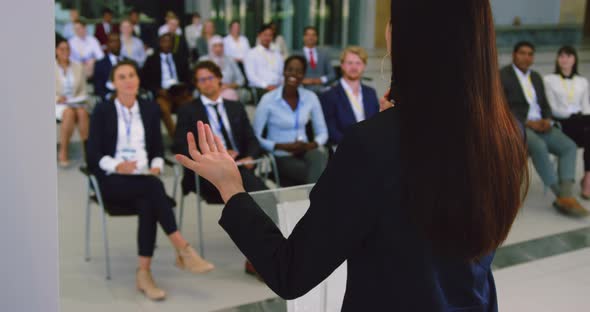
point(252, 183)
point(148, 195)
point(577, 127)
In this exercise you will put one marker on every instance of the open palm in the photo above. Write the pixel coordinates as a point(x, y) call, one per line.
point(212, 162)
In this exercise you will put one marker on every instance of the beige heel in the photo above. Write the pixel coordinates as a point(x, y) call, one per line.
point(189, 260)
point(145, 283)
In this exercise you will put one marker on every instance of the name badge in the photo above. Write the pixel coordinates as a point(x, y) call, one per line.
point(128, 154)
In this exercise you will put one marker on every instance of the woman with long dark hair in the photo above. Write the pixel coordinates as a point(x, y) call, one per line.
point(417, 198)
point(568, 96)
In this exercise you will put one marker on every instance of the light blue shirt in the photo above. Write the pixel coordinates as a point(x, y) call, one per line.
point(134, 50)
point(285, 125)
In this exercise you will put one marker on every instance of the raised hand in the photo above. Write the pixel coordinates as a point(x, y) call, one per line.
point(212, 162)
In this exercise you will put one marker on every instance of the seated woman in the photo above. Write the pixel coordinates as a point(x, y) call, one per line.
point(284, 113)
point(131, 46)
point(232, 76)
point(567, 93)
point(70, 99)
point(125, 153)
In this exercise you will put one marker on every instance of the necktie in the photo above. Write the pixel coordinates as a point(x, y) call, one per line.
point(222, 127)
point(170, 63)
point(312, 63)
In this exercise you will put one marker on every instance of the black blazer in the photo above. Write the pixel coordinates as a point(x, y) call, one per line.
point(338, 112)
point(516, 97)
point(357, 214)
point(243, 134)
point(151, 75)
point(103, 134)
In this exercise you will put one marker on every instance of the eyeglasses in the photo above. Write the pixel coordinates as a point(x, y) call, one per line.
point(205, 79)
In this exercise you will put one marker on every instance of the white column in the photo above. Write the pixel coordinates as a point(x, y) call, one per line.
point(345, 19)
point(367, 24)
point(29, 265)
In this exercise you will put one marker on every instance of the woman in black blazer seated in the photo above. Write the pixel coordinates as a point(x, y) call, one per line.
point(125, 153)
point(417, 198)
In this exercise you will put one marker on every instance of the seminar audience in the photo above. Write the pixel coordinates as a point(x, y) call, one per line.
point(103, 86)
point(232, 76)
point(264, 66)
point(567, 93)
point(85, 49)
point(125, 152)
point(285, 113)
point(349, 101)
point(319, 70)
point(105, 27)
point(203, 40)
point(525, 94)
point(70, 99)
point(131, 46)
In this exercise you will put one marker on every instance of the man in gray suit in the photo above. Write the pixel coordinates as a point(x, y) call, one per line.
point(319, 70)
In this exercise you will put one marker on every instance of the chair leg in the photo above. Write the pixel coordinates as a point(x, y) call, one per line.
point(199, 216)
point(87, 238)
point(180, 212)
point(106, 245)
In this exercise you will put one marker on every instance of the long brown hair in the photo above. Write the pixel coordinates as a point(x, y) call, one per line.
point(463, 153)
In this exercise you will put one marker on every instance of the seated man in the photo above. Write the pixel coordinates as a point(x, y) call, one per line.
point(85, 49)
point(161, 72)
point(228, 120)
point(319, 70)
point(103, 86)
point(232, 76)
point(105, 27)
point(525, 94)
point(349, 101)
point(264, 66)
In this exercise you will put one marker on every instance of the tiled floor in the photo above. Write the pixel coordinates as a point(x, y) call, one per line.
point(544, 266)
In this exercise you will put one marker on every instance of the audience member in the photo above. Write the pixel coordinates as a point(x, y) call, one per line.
point(284, 113)
point(179, 47)
point(349, 101)
point(165, 28)
point(105, 27)
point(319, 69)
point(277, 43)
point(131, 46)
point(263, 65)
point(236, 45)
point(525, 94)
point(232, 76)
point(125, 152)
point(145, 32)
point(192, 32)
point(161, 72)
point(85, 49)
point(70, 99)
point(203, 40)
point(103, 86)
point(567, 93)
point(68, 30)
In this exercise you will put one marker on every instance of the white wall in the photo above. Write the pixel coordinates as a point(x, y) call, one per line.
point(28, 199)
point(535, 12)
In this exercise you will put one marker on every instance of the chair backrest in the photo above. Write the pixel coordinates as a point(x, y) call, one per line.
point(328, 295)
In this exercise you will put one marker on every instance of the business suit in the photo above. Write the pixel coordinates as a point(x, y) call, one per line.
point(144, 192)
point(151, 75)
point(101, 34)
point(539, 145)
point(323, 68)
point(357, 214)
point(338, 110)
point(243, 136)
point(102, 73)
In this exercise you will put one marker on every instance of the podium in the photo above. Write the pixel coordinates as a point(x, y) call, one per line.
point(286, 206)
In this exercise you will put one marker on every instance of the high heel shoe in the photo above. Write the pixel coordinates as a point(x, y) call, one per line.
point(145, 283)
point(582, 194)
point(189, 260)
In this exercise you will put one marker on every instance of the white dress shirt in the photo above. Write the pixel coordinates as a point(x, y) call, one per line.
point(169, 75)
point(211, 107)
point(106, 27)
point(164, 29)
point(84, 49)
point(567, 96)
point(264, 67)
point(130, 142)
point(236, 49)
point(192, 32)
point(356, 101)
point(530, 94)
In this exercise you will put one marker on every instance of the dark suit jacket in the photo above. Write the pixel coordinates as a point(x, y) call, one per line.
point(101, 35)
point(323, 65)
point(516, 97)
point(102, 137)
point(102, 73)
point(338, 112)
point(151, 75)
point(241, 129)
point(148, 35)
point(357, 214)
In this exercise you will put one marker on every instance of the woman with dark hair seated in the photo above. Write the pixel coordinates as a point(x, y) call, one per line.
point(567, 93)
point(284, 113)
point(125, 153)
point(70, 99)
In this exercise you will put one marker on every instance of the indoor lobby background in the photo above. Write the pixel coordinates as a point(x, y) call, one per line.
point(543, 266)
